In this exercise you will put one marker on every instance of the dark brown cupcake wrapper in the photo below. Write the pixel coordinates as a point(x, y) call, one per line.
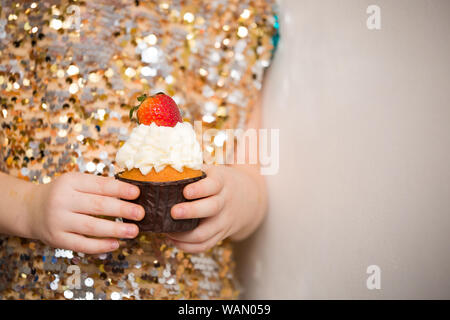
point(158, 198)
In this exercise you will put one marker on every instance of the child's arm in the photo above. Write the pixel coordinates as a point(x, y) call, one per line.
point(15, 199)
point(61, 213)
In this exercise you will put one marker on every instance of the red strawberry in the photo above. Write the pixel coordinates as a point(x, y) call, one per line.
point(160, 109)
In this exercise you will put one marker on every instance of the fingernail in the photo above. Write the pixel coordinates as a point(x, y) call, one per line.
point(178, 212)
point(189, 192)
point(114, 245)
point(136, 213)
point(131, 231)
point(133, 191)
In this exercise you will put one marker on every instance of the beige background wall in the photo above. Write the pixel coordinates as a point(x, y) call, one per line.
point(365, 154)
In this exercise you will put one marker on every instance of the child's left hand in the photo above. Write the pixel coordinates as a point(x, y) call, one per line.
point(230, 201)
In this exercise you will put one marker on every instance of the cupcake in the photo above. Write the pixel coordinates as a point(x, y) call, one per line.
point(161, 157)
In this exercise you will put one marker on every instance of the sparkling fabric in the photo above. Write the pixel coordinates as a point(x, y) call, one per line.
point(69, 73)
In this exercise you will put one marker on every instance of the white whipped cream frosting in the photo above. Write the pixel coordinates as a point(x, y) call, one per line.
point(152, 146)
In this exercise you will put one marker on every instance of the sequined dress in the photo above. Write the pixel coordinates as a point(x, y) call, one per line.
point(69, 73)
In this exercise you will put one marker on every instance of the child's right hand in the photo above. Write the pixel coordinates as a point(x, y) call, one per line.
point(61, 213)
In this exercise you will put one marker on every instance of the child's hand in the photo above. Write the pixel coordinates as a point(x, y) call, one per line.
point(62, 213)
point(230, 201)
